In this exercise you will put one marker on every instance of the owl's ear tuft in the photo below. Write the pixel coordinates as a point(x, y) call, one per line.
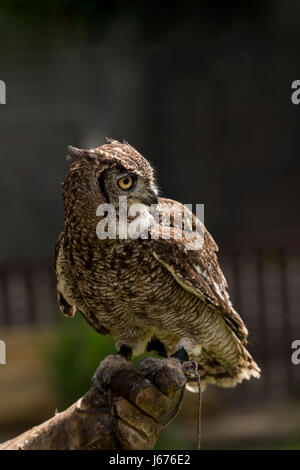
point(109, 140)
point(74, 152)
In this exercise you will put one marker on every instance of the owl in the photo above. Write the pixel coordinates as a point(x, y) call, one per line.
point(151, 292)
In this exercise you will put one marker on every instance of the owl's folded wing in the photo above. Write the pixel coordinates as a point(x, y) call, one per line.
point(68, 293)
point(193, 261)
point(63, 281)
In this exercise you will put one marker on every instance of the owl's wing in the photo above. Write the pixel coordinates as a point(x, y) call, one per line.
point(194, 264)
point(64, 280)
point(68, 294)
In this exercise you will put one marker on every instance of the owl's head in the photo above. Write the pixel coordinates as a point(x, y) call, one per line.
point(103, 174)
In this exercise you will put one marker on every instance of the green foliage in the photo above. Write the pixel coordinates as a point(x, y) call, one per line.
point(74, 357)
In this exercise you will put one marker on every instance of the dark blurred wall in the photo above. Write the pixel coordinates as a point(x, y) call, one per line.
point(202, 90)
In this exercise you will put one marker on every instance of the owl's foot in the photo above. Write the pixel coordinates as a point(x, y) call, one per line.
point(107, 369)
point(161, 372)
point(103, 376)
point(135, 406)
point(150, 368)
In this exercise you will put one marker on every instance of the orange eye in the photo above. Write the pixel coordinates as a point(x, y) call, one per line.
point(126, 182)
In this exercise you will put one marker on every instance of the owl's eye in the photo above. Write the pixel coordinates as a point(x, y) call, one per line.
point(126, 182)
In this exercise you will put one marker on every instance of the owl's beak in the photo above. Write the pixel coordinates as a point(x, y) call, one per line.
point(149, 198)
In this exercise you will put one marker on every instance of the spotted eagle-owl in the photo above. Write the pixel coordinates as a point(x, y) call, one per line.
point(149, 290)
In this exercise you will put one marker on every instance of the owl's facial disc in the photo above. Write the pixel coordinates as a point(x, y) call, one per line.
point(136, 189)
point(149, 197)
point(115, 182)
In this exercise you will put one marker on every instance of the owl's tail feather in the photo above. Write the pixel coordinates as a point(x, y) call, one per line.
point(212, 372)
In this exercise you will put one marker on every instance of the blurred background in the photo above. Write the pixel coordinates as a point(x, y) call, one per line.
point(202, 89)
